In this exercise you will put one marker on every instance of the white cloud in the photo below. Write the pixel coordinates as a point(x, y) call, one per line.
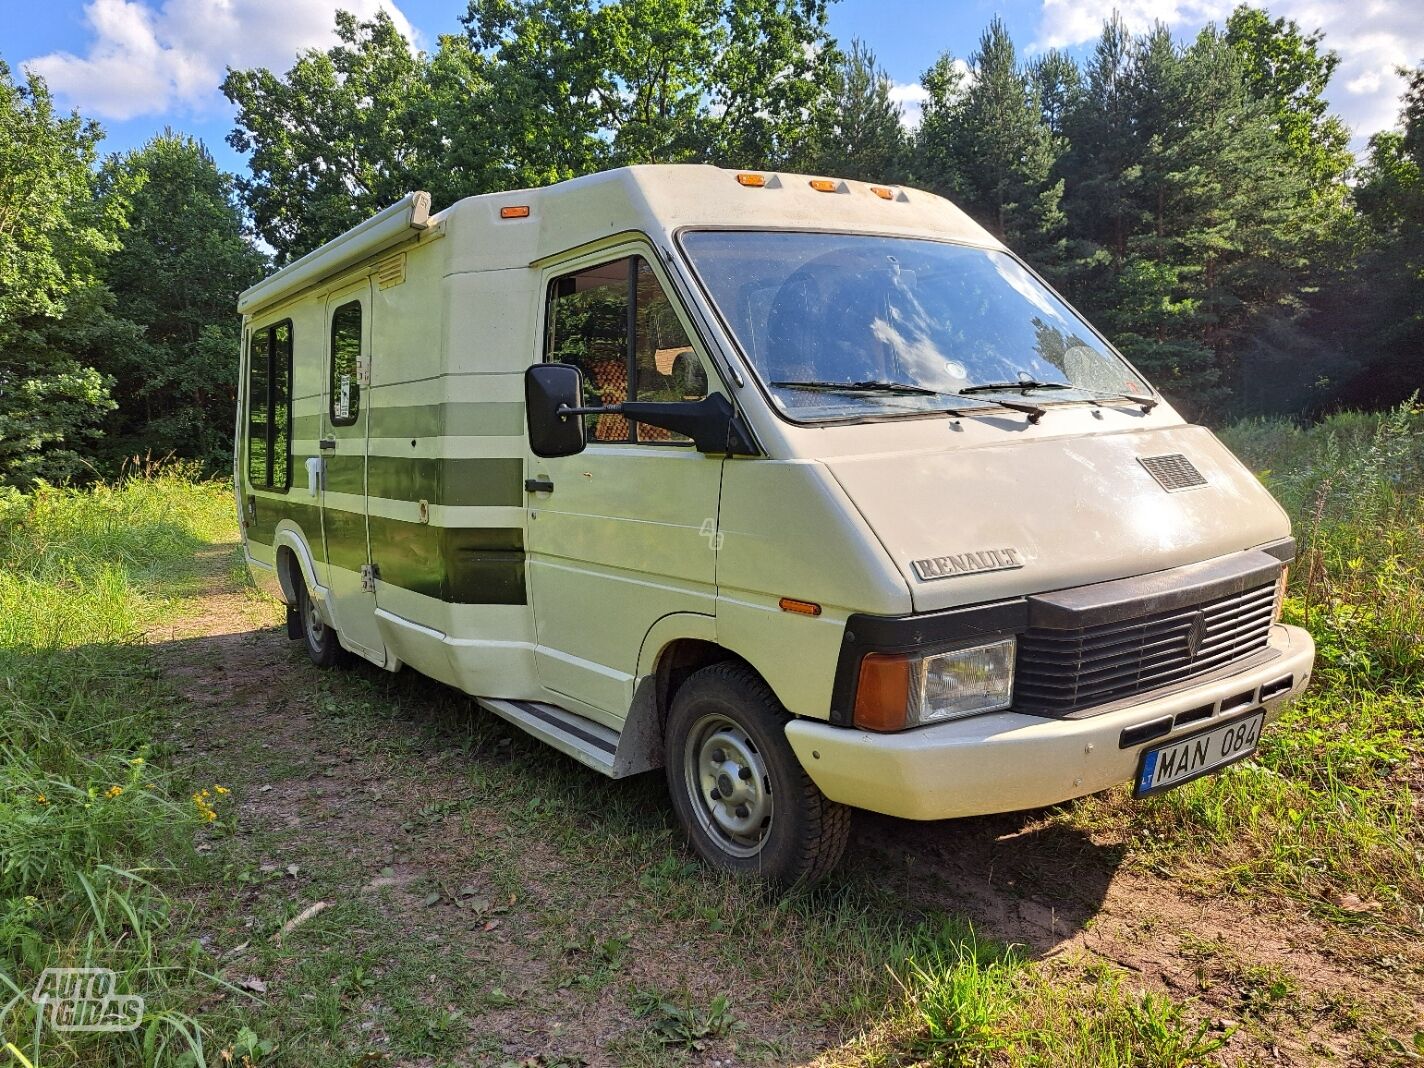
point(1373, 37)
point(911, 97)
point(148, 58)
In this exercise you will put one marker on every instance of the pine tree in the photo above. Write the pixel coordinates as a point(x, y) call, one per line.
point(861, 133)
point(983, 142)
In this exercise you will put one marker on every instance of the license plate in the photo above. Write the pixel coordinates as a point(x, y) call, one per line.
point(1186, 758)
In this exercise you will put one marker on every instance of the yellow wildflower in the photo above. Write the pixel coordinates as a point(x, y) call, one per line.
point(113, 792)
point(137, 762)
point(222, 790)
point(42, 799)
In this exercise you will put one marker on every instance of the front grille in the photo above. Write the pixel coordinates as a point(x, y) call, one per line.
point(1173, 472)
point(1060, 671)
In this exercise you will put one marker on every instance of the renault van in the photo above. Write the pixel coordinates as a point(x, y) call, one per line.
point(806, 491)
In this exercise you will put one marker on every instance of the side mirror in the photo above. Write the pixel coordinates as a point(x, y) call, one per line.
point(549, 388)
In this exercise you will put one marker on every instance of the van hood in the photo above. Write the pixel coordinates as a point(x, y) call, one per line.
point(978, 524)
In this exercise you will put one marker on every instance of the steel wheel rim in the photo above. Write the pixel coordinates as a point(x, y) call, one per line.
point(315, 628)
point(729, 785)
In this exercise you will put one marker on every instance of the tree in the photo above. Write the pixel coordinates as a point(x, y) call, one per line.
point(54, 237)
point(1386, 303)
point(1184, 205)
point(176, 280)
point(861, 134)
point(984, 142)
point(1290, 71)
point(737, 82)
point(354, 128)
point(1058, 84)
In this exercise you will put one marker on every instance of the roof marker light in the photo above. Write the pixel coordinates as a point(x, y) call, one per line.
point(882, 192)
point(515, 211)
point(756, 181)
point(823, 185)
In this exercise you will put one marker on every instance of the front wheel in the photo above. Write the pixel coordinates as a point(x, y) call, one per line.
point(323, 647)
point(739, 792)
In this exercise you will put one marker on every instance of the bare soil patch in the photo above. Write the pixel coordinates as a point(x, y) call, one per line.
point(519, 938)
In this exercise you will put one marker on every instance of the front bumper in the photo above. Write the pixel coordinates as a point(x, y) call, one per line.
point(1005, 761)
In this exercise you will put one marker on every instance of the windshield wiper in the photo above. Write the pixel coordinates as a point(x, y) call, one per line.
point(1025, 384)
point(862, 387)
point(1022, 384)
point(1033, 412)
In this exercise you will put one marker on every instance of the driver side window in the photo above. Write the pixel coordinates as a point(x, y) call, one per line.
point(616, 323)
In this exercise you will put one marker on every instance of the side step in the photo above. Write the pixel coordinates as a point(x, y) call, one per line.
point(586, 741)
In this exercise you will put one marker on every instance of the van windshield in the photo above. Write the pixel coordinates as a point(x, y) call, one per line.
point(865, 312)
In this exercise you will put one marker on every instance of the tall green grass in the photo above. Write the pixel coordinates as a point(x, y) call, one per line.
point(1326, 811)
point(91, 823)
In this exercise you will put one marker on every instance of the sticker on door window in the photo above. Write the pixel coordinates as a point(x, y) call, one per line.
point(343, 399)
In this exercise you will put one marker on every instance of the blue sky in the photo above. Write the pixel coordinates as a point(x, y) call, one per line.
point(141, 65)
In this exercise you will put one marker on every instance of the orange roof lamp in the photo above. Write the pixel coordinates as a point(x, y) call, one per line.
point(514, 211)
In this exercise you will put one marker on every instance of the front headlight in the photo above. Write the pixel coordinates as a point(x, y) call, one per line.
point(896, 691)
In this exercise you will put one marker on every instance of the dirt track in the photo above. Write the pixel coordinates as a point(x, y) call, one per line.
point(355, 805)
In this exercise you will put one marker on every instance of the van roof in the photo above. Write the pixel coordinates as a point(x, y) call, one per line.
point(656, 199)
point(668, 197)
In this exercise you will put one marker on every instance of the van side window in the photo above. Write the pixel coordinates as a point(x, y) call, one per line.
point(617, 324)
point(269, 407)
point(345, 357)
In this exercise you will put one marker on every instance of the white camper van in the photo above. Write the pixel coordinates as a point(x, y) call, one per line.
point(805, 490)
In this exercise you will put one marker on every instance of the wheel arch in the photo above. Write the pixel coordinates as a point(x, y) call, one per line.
point(295, 563)
point(675, 647)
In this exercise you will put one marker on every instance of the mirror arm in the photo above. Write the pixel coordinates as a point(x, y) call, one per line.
point(712, 422)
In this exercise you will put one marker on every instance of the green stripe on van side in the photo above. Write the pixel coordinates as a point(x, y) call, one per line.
point(456, 418)
point(481, 481)
point(461, 565)
point(272, 510)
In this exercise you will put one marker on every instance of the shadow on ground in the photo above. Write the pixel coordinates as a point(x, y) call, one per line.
point(1021, 878)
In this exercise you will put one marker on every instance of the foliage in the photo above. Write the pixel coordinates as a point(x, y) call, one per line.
point(984, 142)
point(533, 92)
point(54, 236)
point(93, 821)
point(176, 280)
point(859, 134)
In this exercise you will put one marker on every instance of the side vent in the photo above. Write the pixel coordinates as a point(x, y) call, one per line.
point(391, 272)
point(1173, 472)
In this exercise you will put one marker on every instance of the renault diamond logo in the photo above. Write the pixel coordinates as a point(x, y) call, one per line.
point(1196, 633)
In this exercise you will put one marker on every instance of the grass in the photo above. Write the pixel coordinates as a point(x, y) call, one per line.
point(93, 820)
point(489, 889)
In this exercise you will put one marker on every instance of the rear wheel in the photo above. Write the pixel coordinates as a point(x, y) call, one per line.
point(738, 790)
point(321, 642)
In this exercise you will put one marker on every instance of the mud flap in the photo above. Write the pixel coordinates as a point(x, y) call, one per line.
point(294, 622)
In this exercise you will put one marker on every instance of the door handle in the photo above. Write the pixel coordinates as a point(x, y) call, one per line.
point(314, 473)
point(538, 485)
point(326, 443)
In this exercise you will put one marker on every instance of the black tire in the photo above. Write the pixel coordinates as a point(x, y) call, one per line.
point(320, 640)
point(775, 823)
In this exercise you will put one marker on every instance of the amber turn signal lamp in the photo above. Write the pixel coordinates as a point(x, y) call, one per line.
point(756, 181)
point(882, 192)
point(801, 608)
point(517, 211)
point(823, 185)
point(882, 696)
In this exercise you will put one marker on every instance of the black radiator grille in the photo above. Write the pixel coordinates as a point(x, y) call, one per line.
point(1060, 671)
